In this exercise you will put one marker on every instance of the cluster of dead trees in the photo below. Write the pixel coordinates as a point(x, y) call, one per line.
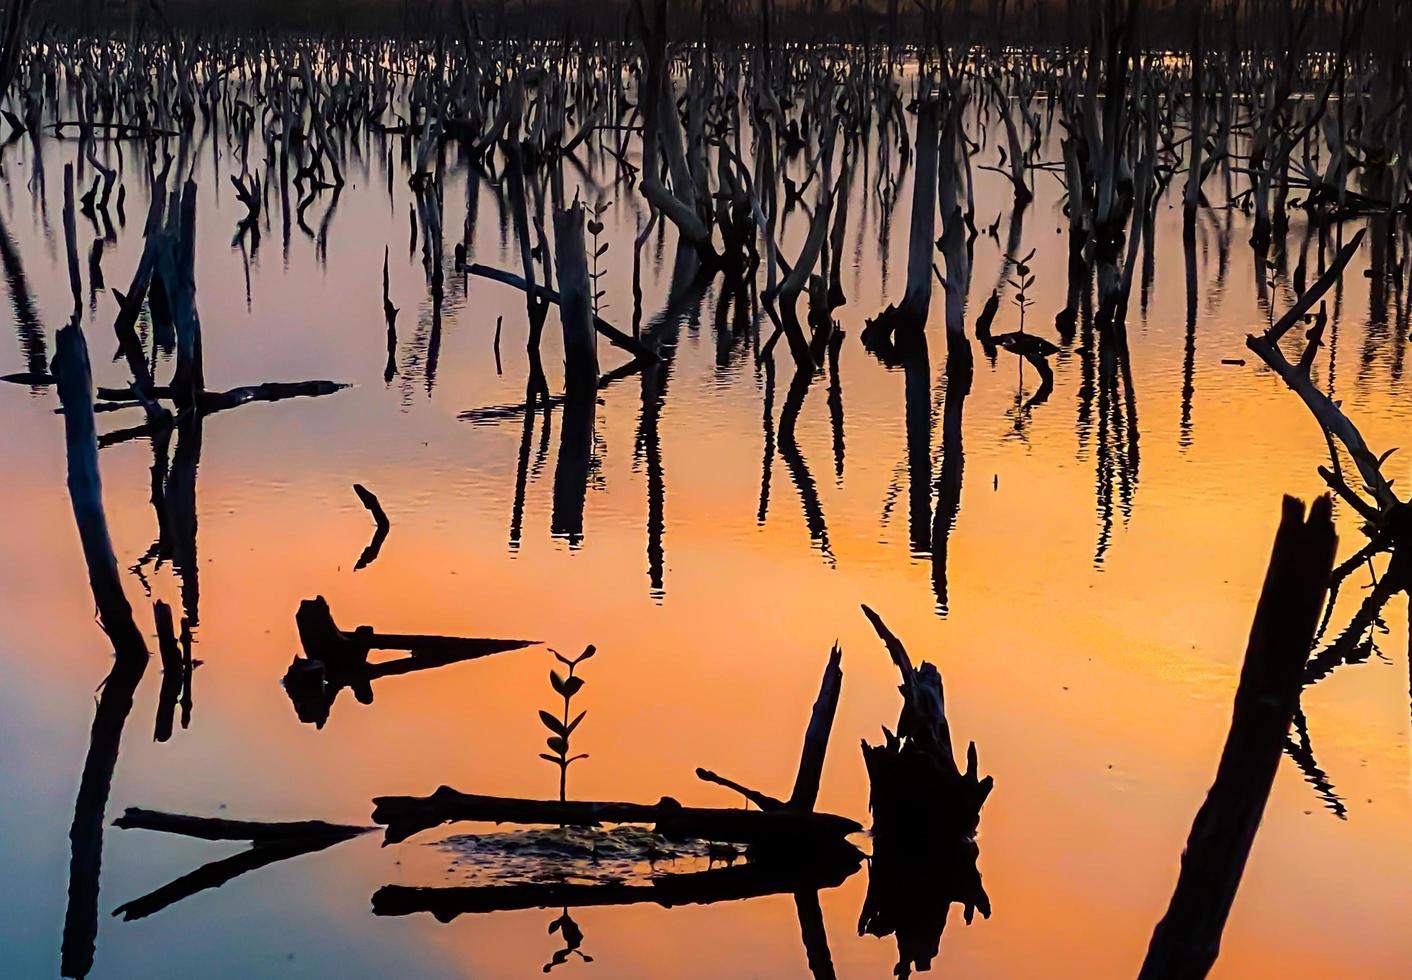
point(726, 144)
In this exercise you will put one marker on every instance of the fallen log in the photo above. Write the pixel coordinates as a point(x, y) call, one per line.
point(778, 831)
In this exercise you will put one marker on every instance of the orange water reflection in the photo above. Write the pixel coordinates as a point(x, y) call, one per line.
point(1098, 691)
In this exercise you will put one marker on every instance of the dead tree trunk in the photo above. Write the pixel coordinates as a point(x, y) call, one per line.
point(909, 317)
point(575, 305)
point(917, 792)
point(1187, 940)
point(75, 383)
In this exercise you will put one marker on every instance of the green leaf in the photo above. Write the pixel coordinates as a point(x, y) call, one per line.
point(572, 686)
point(575, 723)
point(553, 724)
point(556, 682)
point(588, 651)
point(557, 744)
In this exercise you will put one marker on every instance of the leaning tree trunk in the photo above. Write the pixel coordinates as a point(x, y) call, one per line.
point(1187, 940)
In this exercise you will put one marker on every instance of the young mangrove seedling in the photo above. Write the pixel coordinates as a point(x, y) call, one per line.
point(1022, 282)
point(562, 728)
point(595, 229)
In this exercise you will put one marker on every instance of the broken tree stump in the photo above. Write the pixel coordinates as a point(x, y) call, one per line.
point(917, 793)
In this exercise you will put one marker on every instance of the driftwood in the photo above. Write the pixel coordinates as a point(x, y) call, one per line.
point(1187, 940)
point(210, 402)
point(334, 658)
point(321, 638)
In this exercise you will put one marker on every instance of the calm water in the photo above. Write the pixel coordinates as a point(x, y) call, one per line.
point(1095, 619)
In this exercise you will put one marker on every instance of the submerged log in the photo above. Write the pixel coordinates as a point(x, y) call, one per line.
point(209, 402)
point(732, 884)
point(1187, 940)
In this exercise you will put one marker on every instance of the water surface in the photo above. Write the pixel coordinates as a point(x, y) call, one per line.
point(1100, 580)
